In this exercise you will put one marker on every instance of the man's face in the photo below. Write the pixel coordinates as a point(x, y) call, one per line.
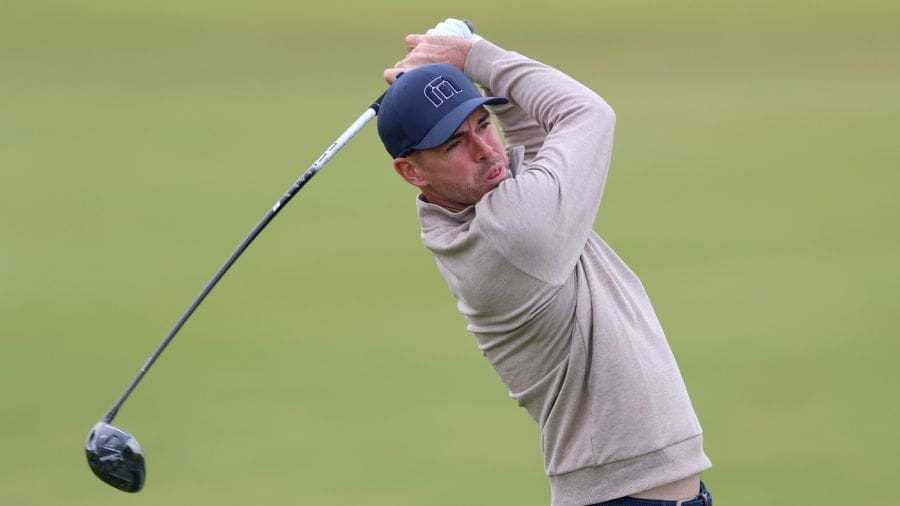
point(459, 172)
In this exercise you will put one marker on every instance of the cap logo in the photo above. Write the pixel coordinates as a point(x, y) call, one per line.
point(440, 90)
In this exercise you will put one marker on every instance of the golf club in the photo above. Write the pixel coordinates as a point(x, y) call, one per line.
point(113, 454)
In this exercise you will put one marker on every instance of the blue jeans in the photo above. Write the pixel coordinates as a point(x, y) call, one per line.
point(704, 498)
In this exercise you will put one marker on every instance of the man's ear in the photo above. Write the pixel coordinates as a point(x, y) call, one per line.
point(409, 171)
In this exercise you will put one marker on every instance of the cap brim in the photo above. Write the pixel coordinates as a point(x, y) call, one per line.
point(447, 126)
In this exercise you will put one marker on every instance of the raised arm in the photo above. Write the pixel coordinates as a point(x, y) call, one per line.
point(542, 220)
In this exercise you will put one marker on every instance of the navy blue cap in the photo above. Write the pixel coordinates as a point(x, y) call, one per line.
point(425, 106)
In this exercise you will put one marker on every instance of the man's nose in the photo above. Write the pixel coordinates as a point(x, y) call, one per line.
point(480, 148)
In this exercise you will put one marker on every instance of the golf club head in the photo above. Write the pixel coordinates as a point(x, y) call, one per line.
point(115, 457)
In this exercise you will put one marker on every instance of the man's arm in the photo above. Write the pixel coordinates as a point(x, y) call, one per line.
point(542, 220)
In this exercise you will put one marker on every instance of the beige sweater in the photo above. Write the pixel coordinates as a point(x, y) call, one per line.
point(563, 321)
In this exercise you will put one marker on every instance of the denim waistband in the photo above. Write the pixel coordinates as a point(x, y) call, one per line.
point(704, 498)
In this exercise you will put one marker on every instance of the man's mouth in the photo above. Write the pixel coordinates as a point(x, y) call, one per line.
point(495, 174)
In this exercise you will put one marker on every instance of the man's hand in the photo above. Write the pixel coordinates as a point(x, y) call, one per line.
point(448, 42)
point(425, 49)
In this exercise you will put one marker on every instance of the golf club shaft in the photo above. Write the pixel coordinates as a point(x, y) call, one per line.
point(313, 169)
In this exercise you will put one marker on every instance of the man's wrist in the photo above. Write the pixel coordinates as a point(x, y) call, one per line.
point(480, 60)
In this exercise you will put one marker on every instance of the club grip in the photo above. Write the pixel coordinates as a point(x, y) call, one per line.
point(376, 105)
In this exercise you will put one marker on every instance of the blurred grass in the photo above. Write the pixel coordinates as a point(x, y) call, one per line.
point(752, 189)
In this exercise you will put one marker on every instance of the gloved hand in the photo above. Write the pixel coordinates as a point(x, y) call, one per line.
point(454, 27)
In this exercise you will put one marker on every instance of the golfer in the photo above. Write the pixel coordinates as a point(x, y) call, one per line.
point(561, 318)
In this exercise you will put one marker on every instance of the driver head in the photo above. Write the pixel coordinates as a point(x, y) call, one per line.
point(115, 457)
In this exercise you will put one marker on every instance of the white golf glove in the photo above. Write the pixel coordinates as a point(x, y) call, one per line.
point(453, 27)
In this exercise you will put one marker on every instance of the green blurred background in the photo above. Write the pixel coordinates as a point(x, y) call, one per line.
point(752, 189)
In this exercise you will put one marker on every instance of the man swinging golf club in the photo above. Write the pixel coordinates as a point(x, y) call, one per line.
point(564, 322)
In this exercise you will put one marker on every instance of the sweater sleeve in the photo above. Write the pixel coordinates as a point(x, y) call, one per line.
point(541, 219)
